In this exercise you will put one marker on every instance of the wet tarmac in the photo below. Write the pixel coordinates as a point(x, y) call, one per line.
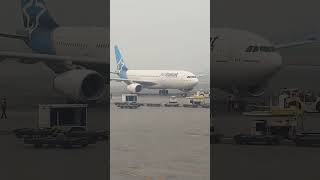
point(159, 142)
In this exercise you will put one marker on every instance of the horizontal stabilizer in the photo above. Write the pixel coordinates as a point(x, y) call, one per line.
point(14, 36)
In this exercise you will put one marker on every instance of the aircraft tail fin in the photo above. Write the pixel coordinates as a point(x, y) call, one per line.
point(121, 67)
point(36, 15)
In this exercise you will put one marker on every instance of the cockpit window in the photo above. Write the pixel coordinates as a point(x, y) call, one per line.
point(260, 49)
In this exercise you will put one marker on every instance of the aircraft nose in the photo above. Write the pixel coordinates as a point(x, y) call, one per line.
point(272, 63)
point(195, 81)
point(279, 61)
point(276, 63)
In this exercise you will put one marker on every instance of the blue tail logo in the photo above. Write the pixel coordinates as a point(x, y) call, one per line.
point(121, 67)
point(35, 15)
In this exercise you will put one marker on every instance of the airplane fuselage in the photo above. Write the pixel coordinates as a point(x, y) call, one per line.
point(165, 79)
point(241, 59)
point(72, 41)
point(86, 42)
point(83, 42)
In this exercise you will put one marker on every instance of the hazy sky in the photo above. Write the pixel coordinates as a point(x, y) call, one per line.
point(166, 34)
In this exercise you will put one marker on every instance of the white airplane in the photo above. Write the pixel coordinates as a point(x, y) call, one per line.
point(136, 80)
point(242, 62)
point(79, 56)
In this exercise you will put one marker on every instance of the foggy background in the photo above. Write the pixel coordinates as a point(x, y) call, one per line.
point(152, 34)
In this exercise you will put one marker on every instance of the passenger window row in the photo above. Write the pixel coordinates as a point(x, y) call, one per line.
point(70, 44)
point(82, 45)
point(102, 45)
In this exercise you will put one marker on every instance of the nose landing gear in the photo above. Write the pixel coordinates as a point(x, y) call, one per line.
point(184, 94)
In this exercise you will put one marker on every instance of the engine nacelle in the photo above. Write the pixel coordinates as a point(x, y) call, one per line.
point(134, 88)
point(80, 85)
point(256, 91)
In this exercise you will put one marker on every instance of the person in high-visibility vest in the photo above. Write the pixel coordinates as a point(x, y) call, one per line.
point(4, 108)
point(230, 103)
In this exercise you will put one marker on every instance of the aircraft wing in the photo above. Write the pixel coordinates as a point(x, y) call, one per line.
point(50, 58)
point(129, 81)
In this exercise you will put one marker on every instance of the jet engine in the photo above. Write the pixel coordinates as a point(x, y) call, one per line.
point(134, 88)
point(80, 85)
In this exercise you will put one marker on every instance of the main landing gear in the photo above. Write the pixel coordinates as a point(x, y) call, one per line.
point(236, 104)
point(163, 92)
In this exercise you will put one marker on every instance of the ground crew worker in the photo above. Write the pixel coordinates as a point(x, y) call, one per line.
point(4, 108)
point(233, 103)
point(230, 103)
